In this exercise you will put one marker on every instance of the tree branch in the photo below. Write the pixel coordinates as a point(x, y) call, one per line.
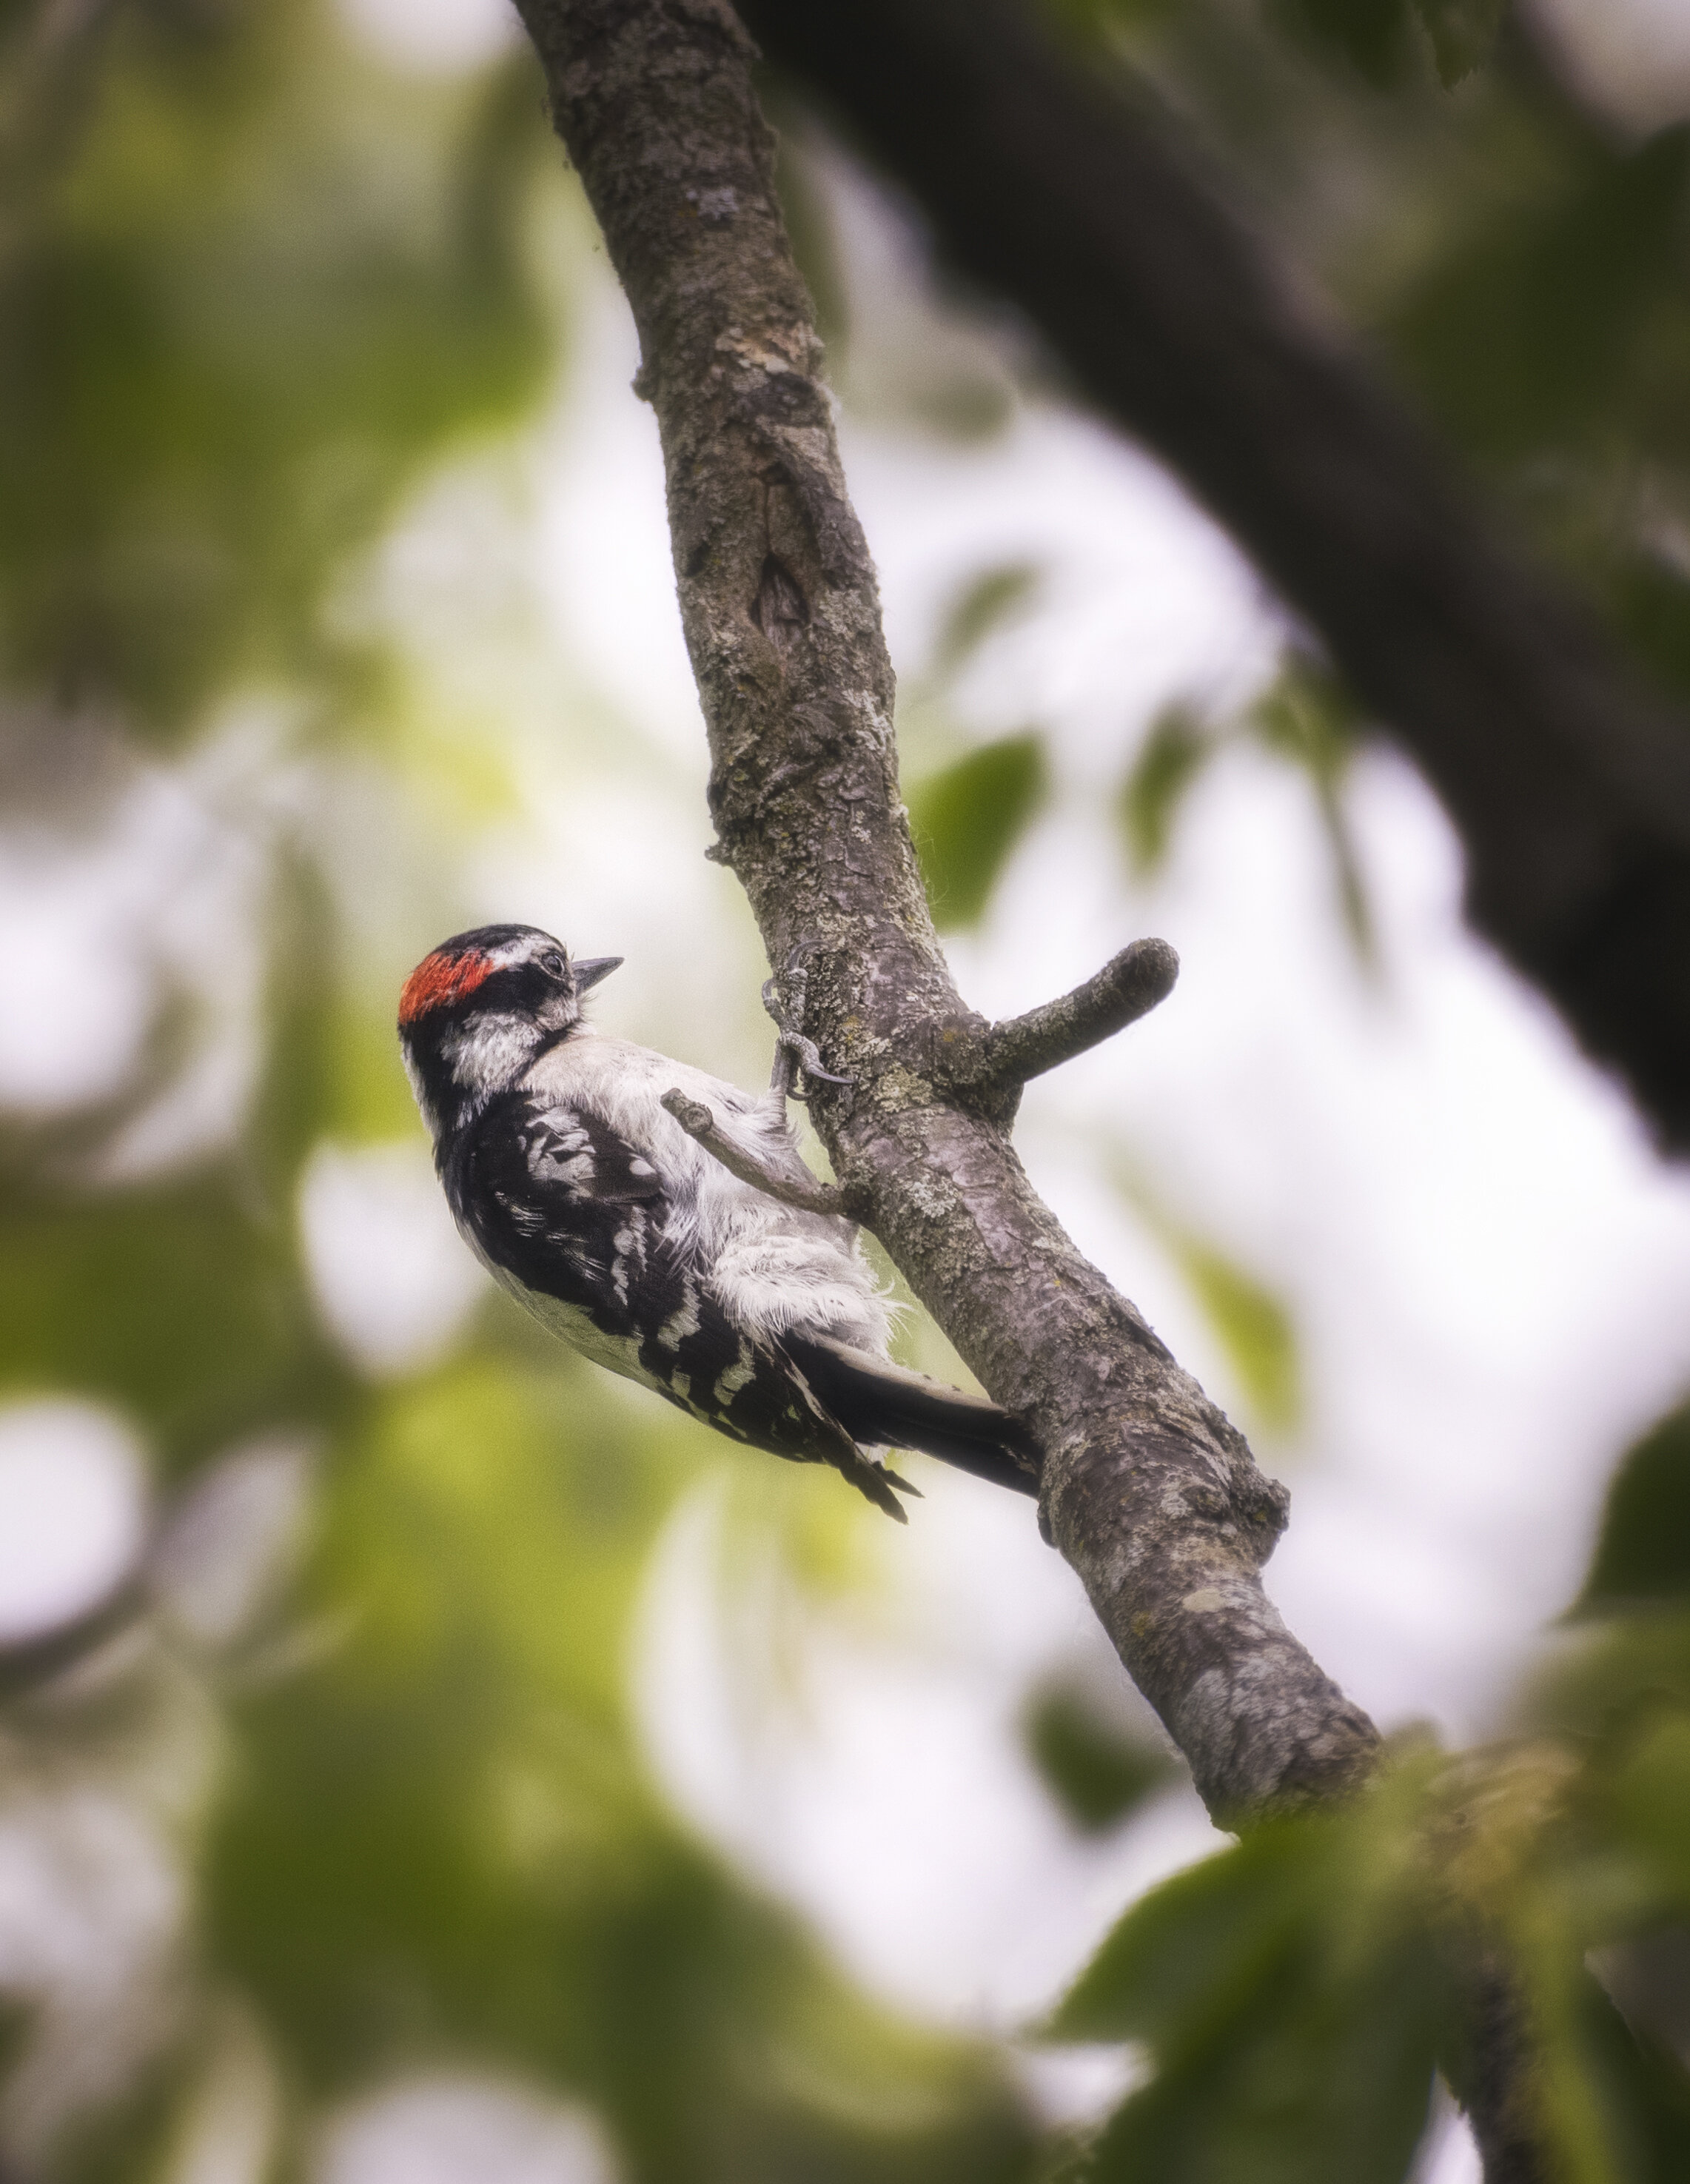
point(808, 1194)
point(1569, 782)
point(1148, 1491)
point(1127, 987)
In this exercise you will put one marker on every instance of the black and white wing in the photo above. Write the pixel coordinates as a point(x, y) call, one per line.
point(578, 1224)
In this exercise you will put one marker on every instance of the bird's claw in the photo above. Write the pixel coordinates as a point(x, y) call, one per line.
point(795, 1045)
point(794, 1051)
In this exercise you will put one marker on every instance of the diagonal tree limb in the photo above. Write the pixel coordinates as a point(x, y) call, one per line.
point(1567, 780)
point(1148, 1491)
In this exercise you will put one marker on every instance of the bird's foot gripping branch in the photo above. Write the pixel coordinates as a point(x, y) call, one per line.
point(785, 998)
point(990, 1064)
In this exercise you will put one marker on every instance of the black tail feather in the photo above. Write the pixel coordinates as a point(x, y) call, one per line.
point(883, 1405)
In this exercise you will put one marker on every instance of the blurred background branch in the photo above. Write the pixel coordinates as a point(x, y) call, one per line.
point(1049, 176)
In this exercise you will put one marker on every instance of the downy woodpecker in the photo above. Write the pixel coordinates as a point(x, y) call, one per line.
point(619, 1232)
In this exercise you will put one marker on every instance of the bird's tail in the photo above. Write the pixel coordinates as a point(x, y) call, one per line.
point(882, 1406)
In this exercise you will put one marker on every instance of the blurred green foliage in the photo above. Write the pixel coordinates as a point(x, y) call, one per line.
point(1515, 258)
point(1097, 1772)
point(1174, 751)
point(439, 1841)
point(248, 296)
point(967, 819)
point(1255, 1327)
point(1252, 1325)
point(1293, 1995)
point(968, 814)
point(1304, 718)
point(985, 605)
point(1288, 1996)
point(1642, 1551)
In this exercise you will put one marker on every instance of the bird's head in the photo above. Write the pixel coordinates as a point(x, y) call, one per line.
point(477, 1012)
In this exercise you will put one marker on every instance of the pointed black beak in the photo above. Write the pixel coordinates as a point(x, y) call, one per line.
point(592, 968)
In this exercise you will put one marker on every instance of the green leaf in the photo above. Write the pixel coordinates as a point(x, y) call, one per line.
point(983, 605)
point(1642, 1548)
point(1255, 1330)
point(1642, 2090)
point(1096, 1774)
point(1290, 2002)
point(1614, 2109)
point(967, 820)
point(1649, 2100)
point(1644, 1797)
point(1173, 754)
point(1184, 1952)
point(1254, 1327)
point(1309, 718)
point(1309, 2080)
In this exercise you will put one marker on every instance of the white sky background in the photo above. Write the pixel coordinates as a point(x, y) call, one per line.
point(1489, 1270)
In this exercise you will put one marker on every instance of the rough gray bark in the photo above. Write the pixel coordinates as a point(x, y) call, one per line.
point(1568, 780)
point(1148, 1491)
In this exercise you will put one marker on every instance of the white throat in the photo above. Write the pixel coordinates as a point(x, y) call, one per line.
point(491, 1053)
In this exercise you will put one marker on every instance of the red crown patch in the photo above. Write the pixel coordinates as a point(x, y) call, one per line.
point(440, 978)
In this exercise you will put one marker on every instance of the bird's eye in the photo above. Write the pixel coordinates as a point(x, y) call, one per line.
point(553, 962)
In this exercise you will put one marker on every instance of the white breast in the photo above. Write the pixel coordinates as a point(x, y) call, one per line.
point(770, 1267)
